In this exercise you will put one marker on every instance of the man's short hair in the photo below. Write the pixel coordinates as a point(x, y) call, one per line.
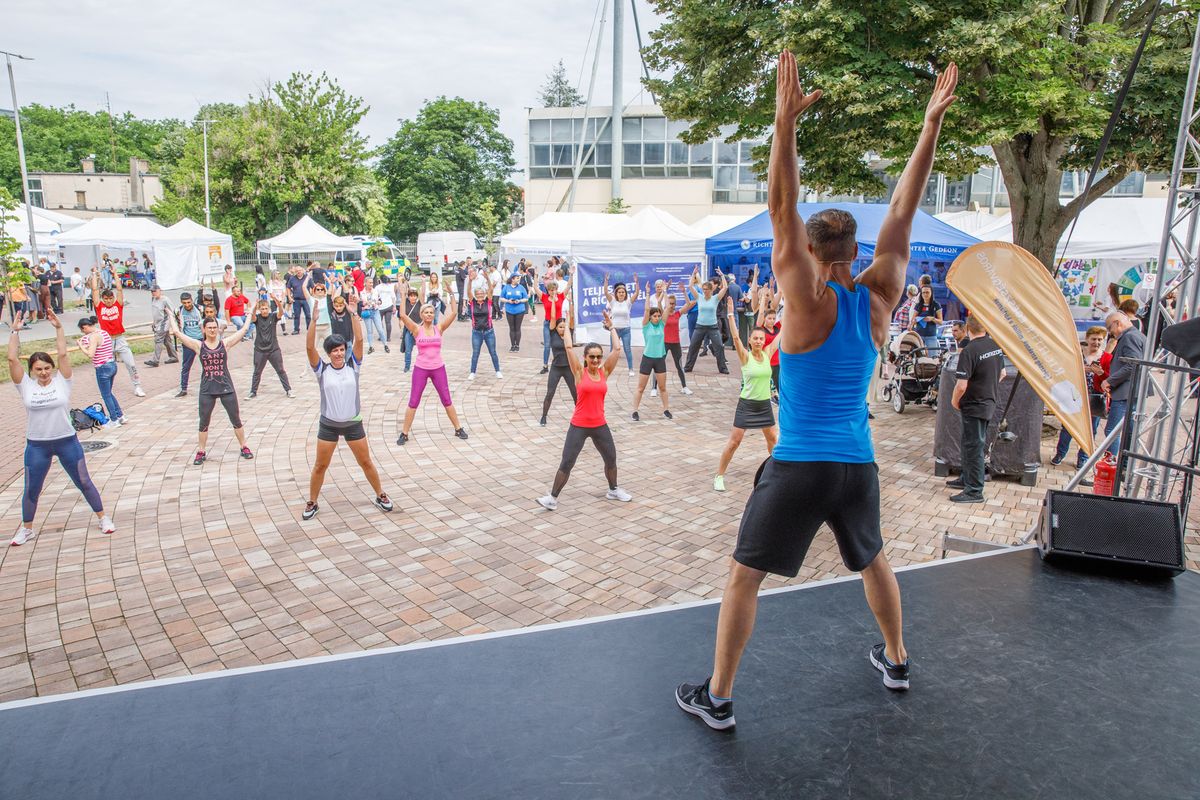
point(832, 235)
point(1095, 330)
point(973, 325)
point(925, 280)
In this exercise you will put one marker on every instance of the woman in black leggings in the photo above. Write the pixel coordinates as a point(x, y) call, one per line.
point(589, 422)
point(560, 368)
point(215, 381)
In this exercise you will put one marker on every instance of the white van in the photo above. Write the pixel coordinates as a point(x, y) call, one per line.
point(440, 247)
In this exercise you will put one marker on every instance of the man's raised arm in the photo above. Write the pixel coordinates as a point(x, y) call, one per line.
point(790, 259)
point(886, 274)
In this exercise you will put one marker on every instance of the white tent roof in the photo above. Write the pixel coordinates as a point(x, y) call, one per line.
point(114, 232)
point(306, 236)
point(553, 232)
point(1118, 228)
point(648, 236)
point(187, 230)
point(719, 223)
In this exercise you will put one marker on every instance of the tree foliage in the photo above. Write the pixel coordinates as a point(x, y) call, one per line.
point(13, 271)
point(57, 138)
point(1038, 84)
point(558, 91)
point(441, 167)
point(292, 151)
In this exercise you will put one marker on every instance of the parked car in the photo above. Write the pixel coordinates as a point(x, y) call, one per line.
point(442, 247)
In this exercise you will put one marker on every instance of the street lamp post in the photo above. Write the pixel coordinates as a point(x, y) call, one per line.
point(12, 85)
point(207, 210)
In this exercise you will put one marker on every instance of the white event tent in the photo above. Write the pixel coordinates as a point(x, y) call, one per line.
point(46, 224)
point(714, 224)
point(552, 233)
point(189, 253)
point(306, 236)
point(83, 246)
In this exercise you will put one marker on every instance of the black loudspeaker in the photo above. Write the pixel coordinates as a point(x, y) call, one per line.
point(1183, 339)
point(1144, 535)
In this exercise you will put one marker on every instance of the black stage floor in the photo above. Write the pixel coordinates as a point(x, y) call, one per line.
point(1029, 681)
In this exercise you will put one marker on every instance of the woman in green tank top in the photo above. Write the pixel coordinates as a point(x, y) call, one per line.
point(754, 405)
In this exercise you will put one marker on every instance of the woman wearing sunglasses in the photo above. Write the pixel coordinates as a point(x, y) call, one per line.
point(588, 422)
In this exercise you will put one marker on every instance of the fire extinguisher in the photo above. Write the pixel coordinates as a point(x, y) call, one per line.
point(1106, 475)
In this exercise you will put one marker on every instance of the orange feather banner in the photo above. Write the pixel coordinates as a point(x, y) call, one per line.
point(1024, 311)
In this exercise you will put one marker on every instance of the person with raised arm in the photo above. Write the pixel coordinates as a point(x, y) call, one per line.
point(429, 366)
point(823, 469)
point(588, 422)
point(110, 312)
point(654, 353)
point(754, 403)
point(46, 394)
point(341, 407)
point(215, 381)
point(620, 307)
point(708, 300)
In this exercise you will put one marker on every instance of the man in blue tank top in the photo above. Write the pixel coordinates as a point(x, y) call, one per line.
point(823, 468)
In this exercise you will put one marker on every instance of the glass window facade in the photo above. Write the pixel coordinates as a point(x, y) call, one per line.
point(36, 197)
point(651, 148)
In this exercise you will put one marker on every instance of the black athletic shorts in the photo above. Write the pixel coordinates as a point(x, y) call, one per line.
point(790, 501)
point(353, 431)
point(656, 365)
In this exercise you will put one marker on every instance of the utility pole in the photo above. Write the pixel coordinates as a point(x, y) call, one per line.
point(12, 85)
point(618, 75)
point(112, 132)
point(207, 210)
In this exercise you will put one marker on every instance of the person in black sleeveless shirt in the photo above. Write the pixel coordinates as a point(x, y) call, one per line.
point(560, 369)
point(215, 380)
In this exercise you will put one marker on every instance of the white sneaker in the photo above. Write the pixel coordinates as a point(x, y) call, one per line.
point(619, 494)
point(290, 393)
point(137, 390)
point(471, 377)
point(686, 390)
point(632, 373)
point(111, 425)
point(106, 525)
point(548, 502)
point(23, 535)
point(654, 392)
point(499, 374)
point(123, 420)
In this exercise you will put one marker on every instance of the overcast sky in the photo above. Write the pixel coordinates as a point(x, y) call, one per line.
point(164, 59)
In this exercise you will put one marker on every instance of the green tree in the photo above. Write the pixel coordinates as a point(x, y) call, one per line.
point(1038, 85)
point(13, 271)
point(557, 91)
point(57, 138)
point(441, 167)
point(616, 206)
point(294, 150)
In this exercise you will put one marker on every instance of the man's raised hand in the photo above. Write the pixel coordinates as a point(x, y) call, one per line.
point(790, 100)
point(943, 94)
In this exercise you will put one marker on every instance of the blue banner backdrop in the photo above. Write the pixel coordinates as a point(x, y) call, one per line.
point(589, 280)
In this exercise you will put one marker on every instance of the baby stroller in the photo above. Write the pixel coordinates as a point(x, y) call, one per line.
point(915, 372)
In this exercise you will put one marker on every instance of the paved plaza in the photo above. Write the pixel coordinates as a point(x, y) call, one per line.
point(212, 567)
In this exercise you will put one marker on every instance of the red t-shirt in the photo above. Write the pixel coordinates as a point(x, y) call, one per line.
point(360, 278)
point(671, 332)
point(1106, 365)
point(771, 338)
point(111, 318)
point(554, 313)
point(589, 408)
point(235, 305)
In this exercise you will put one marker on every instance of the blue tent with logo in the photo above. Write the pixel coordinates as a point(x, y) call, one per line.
point(934, 244)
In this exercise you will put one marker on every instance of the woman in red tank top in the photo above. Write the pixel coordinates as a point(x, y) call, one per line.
point(591, 385)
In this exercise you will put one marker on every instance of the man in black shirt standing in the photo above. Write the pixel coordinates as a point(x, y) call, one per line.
point(55, 277)
point(980, 369)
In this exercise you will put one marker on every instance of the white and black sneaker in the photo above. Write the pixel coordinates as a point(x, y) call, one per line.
point(895, 676)
point(696, 700)
point(384, 502)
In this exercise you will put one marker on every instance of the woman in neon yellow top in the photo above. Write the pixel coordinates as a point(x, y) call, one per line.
point(754, 405)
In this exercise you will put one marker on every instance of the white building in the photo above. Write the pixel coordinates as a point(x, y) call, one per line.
point(89, 194)
point(693, 181)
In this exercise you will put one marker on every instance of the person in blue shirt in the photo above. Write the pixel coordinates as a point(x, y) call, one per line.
point(516, 301)
point(926, 316)
point(708, 299)
point(822, 469)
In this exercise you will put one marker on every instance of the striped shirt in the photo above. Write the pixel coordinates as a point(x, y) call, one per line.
point(104, 350)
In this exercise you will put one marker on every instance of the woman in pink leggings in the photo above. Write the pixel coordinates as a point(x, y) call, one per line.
point(428, 366)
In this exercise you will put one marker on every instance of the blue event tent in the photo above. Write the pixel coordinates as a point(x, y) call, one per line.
point(934, 244)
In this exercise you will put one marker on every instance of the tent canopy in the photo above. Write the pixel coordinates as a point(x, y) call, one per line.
point(552, 233)
point(188, 253)
point(117, 233)
point(931, 239)
point(307, 236)
point(650, 235)
point(714, 224)
point(1118, 228)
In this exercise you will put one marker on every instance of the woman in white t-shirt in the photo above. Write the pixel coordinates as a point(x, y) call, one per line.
point(46, 395)
point(620, 304)
point(384, 294)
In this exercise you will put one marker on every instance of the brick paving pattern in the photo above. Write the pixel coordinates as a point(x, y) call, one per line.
point(212, 567)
